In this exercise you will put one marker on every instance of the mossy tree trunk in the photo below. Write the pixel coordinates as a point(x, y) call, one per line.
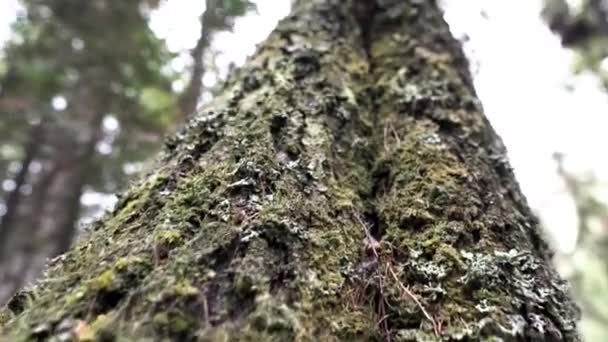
point(345, 186)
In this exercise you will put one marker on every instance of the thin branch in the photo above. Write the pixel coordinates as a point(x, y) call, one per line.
point(415, 299)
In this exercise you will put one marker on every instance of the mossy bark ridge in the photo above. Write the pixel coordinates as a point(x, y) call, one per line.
point(346, 186)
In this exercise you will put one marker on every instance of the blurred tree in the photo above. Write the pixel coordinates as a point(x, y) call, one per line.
point(584, 28)
point(85, 97)
point(73, 69)
point(219, 15)
point(587, 264)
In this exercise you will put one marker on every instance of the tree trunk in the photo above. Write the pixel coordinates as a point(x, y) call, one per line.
point(346, 186)
point(35, 141)
point(188, 100)
point(46, 221)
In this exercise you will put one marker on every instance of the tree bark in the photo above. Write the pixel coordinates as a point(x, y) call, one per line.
point(345, 186)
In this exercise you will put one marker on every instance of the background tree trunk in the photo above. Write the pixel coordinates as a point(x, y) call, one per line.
point(345, 186)
point(45, 221)
point(74, 65)
point(189, 99)
point(35, 141)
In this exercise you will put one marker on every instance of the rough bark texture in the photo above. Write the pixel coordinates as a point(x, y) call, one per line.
point(346, 186)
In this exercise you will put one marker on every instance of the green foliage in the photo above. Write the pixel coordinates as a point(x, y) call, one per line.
point(584, 29)
point(102, 48)
point(585, 267)
point(157, 103)
point(237, 8)
point(222, 13)
point(107, 48)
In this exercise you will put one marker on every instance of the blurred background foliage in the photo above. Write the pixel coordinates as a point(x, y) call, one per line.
point(86, 94)
point(88, 90)
point(583, 27)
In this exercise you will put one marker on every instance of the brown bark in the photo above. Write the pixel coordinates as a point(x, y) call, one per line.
point(344, 187)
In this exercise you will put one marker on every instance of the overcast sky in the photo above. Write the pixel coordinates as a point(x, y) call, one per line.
point(520, 75)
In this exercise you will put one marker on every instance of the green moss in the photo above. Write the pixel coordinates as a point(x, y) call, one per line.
point(185, 289)
point(103, 282)
point(255, 228)
point(272, 319)
point(445, 253)
point(127, 263)
point(132, 204)
point(5, 316)
point(173, 322)
point(98, 330)
point(75, 297)
point(355, 325)
point(169, 238)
